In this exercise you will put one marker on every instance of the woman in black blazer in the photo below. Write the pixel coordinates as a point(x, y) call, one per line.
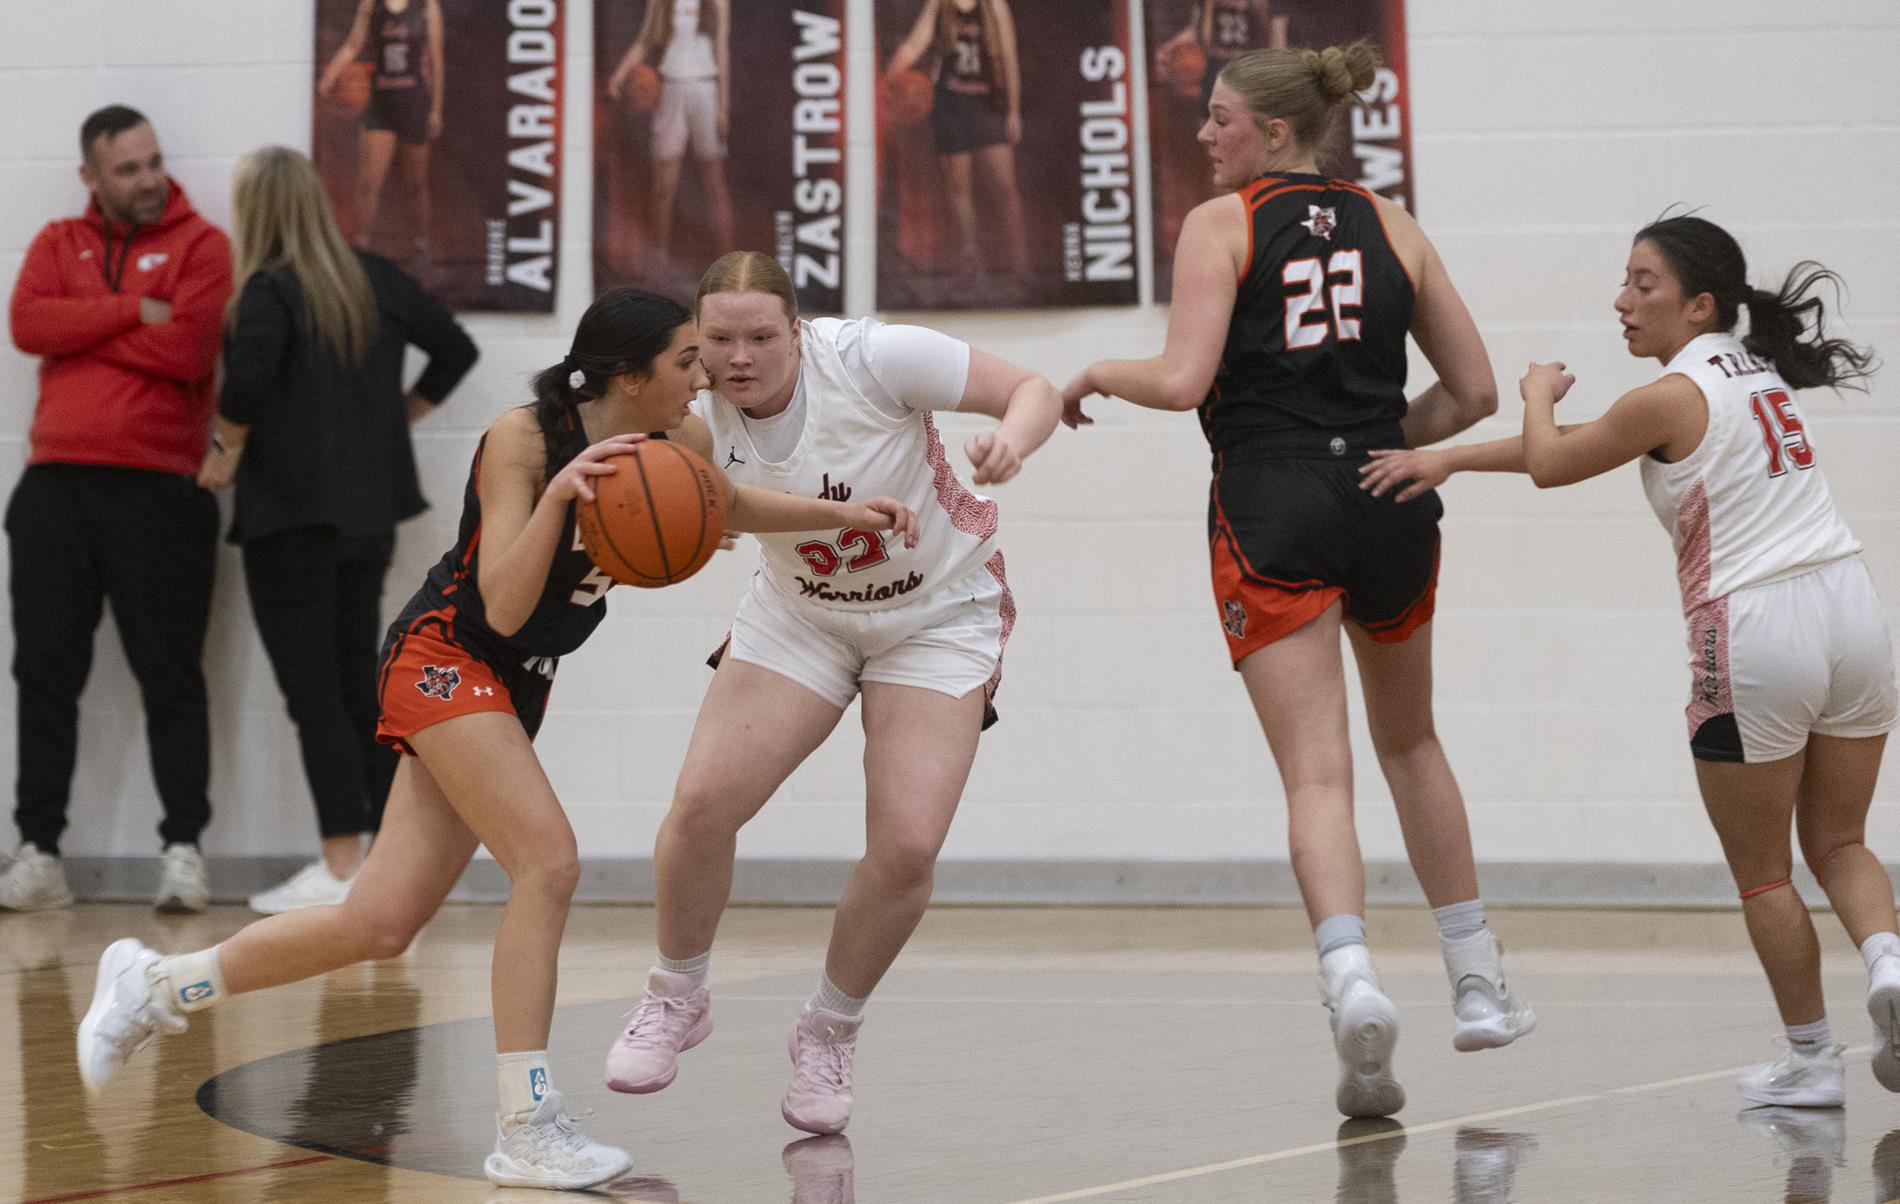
point(313, 427)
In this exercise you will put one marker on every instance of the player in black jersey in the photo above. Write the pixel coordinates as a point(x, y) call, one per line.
point(404, 40)
point(1293, 295)
point(1224, 30)
point(976, 116)
point(464, 680)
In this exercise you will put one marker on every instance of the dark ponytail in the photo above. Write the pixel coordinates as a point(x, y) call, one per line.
point(1706, 259)
point(621, 333)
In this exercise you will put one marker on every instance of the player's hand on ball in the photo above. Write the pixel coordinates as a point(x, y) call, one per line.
point(993, 458)
point(1394, 466)
point(571, 483)
point(884, 514)
point(1545, 378)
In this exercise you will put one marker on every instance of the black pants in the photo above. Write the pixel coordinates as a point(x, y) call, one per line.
point(81, 535)
point(317, 598)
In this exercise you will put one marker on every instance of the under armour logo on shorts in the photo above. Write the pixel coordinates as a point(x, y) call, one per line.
point(438, 682)
point(484, 691)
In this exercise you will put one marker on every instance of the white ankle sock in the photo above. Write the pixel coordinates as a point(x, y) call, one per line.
point(831, 999)
point(1810, 1039)
point(523, 1079)
point(694, 968)
point(1879, 945)
point(1337, 932)
point(190, 982)
point(1457, 921)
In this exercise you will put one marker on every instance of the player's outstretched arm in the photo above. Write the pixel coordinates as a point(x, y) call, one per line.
point(1026, 406)
point(749, 508)
point(1207, 265)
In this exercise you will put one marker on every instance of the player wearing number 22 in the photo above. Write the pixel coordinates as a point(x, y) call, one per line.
point(836, 408)
point(465, 677)
point(1791, 668)
point(1293, 295)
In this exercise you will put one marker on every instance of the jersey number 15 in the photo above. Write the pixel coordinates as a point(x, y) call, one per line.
point(1781, 431)
point(1308, 281)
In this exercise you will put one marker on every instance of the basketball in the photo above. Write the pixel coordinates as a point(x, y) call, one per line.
point(1184, 65)
point(657, 519)
point(909, 96)
point(351, 94)
point(643, 88)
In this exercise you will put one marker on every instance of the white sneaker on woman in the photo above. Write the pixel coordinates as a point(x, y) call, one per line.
point(312, 886)
point(1365, 1031)
point(1797, 1079)
point(34, 881)
point(549, 1150)
point(1487, 1014)
point(183, 887)
point(127, 1011)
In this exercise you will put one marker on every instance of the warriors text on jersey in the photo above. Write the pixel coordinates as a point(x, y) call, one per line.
point(1749, 505)
point(852, 447)
point(1315, 357)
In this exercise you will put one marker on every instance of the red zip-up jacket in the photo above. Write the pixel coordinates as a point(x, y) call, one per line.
point(113, 389)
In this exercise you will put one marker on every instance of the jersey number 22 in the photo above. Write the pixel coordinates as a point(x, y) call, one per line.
point(1307, 322)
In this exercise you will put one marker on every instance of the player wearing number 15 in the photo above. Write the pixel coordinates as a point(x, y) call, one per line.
point(1791, 668)
point(1293, 295)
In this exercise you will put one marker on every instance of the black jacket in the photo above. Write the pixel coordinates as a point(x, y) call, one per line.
point(329, 442)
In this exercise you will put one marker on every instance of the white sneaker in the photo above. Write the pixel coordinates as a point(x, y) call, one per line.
point(671, 1018)
point(312, 886)
point(35, 881)
point(183, 887)
point(1487, 1014)
point(549, 1150)
point(125, 1014)
point(1883, 1006)
point(1797, 1080)
point(1365, 1031)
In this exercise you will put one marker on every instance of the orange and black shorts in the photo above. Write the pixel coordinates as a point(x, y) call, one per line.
point(429, 674)
point(1290, 536)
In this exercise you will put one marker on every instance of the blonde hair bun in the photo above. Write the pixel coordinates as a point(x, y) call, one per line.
point(1342, 72)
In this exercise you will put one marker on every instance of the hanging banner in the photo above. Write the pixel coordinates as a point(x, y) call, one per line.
point(710, 139)
point(437, 132)
point(1189, 41)
point(1005, 154)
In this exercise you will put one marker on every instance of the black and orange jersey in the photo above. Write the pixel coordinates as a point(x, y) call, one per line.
point(966, 66)
point(397, 46)
point(1314, 362)
point(572, 602)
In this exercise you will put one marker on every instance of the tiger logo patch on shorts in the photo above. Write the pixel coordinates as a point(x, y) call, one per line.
point(438, 682)
point(1234, 619)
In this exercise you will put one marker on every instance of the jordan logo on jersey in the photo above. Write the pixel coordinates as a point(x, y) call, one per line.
point(1321, 222)
point(438, 682)
point(732, 457)
point(1233, 617)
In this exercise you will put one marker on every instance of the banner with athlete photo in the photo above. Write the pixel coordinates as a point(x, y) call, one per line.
point(1189, 41)
point(1005, 154)
point(437, 132)
point(710, 139)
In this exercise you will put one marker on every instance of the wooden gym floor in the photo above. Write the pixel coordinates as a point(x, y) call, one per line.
point(1012, 1056)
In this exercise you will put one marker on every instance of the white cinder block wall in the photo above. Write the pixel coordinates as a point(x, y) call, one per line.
point(1545, 133)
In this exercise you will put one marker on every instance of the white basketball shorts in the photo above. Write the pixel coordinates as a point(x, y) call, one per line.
point(1772, 664)
point(951, 640)
point(688, 115)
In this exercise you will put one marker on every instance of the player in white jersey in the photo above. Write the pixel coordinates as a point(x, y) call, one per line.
point(1792, 676)
point(836, 409)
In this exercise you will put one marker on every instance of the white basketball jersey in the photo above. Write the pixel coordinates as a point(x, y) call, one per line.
point(1750, 504)
point(850, 449)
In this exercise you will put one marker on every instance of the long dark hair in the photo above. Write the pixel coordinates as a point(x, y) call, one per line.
point(621, 333)
point(1707, 259)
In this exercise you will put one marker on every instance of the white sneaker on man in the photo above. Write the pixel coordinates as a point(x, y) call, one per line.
point(1487, 1014)
point(1883, 1006)
point(549, 1150)
point(183, 887)
point(127, 1011)
point(1365, 1031)
point(1797, 1079)
point(312, 886)
point(35, 881)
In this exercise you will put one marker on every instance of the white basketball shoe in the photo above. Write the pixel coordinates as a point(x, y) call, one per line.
point(128, 1010)
point(1365, 1031)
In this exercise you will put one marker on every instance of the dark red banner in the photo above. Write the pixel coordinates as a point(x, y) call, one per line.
point(1005, 154)
point(438, 134)
point(1190, 40)
point(711, 136)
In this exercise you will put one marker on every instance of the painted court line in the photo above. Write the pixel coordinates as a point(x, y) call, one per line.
point(154, 1185)
point(1216, 1168)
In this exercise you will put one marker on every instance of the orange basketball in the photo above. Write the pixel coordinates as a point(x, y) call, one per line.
point(1184, 66)
point(643, 87)
point(908, 96)
point(656, 519)
point(351, 94)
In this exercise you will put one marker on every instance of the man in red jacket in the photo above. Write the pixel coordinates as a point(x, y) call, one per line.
point(124, 306)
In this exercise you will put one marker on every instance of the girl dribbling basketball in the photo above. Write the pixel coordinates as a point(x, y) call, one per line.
point(465, 677)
